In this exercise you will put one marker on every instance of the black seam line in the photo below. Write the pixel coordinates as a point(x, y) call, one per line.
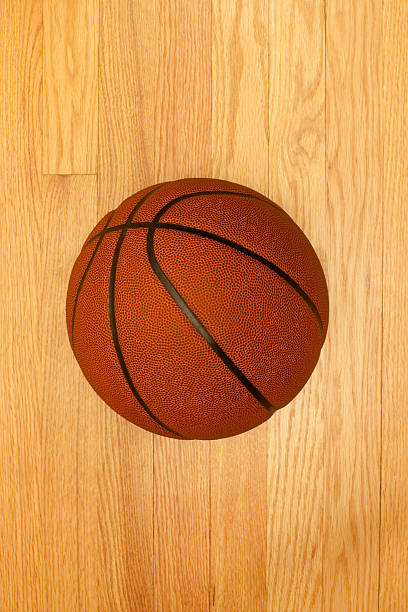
point(195, 194)
point(239, 247)
point(81, 282)
point(112, 318)
point(231, 243)
point(253, 255)
point(191, 315)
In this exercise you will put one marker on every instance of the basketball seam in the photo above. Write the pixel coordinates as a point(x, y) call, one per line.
point(242, 249)
point(291, 281)
point(81, 282)
point(193, 194)
point(238, 247)
point(254, 255)
point(112, 318)
point(192, 317)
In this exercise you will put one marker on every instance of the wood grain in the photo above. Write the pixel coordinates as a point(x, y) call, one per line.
point(182, 117)
point(182, 140)
point(125, 452)
point(394, 498)
point(239, 153)
point(69, 408)
point(128, 58)
point(22, 570)
point(305, 101)
point(354, 222)
point(297, 183)
point(70, 77)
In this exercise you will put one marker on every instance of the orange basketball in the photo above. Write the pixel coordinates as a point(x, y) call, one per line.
point(197, 308)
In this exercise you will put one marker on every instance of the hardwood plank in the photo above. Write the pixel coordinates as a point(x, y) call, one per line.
point(182, 148)
point(297, 183)
point(354, 221)
point(181, 524)
point(125, 479)
point(128, 60)
point(182, 96)
point(21, 442)
point(394, 497)
point(70, 100)
point(239, 153)
point(69, 407)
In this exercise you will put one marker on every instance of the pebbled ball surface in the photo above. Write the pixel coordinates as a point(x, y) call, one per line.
point(197, 315)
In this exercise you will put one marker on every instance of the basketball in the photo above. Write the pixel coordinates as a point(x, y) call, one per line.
point(197, 308)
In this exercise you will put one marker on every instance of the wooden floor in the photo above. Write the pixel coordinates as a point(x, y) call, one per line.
point(307, 102)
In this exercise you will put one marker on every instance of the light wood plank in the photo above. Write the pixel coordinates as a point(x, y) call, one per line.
point(181, 525)
point(128, 58)
point(21, 438)
point(394, 499)
point(297, 183)
point(354, 222)
point(69, 407)
point(70, 100)
point(182, 148)
point(183, 79)
point(127, 63)
point(239, 153)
